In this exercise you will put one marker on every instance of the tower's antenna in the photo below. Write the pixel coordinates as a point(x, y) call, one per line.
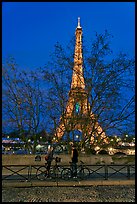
point(79, 23)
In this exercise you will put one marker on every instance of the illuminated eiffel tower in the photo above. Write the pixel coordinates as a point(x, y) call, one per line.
point(78, 115)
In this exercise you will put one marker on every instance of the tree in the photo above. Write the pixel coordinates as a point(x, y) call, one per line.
point(107, 78)
point(108, 81)
point(22, 102)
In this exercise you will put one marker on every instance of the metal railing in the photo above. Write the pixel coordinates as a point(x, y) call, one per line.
point(15, 172)
point(28, 172)
point(112, 171)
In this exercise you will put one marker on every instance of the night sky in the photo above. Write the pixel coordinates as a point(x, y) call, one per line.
point(31, 29)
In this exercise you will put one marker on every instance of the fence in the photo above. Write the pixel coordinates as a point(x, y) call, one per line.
point(28, 172)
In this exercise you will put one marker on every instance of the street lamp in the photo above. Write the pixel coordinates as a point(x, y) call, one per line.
point(77, 136)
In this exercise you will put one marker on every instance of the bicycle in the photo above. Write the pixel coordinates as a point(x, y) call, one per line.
point(83, 172)
point(55, 171)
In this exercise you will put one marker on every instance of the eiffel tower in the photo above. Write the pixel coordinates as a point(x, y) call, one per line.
point(78, 114)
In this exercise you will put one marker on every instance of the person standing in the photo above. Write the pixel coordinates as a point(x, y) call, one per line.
point(49, 158)
point(74, 158)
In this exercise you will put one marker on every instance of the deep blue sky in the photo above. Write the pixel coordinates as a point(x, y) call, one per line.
point(31, 29)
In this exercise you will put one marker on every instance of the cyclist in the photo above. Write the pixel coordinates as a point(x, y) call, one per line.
point(74, 158)
point(49, 158)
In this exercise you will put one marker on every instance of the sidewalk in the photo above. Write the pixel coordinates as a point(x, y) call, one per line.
point(67, 183)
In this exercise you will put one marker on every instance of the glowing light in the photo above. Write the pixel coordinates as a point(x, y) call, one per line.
point(110, 149)
point(97, 148)
point(77, 106)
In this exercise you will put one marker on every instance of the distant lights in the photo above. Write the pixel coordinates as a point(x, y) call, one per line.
point(97, 148)
point(110, 149)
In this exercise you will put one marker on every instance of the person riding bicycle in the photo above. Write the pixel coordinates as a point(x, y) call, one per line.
point(74, 158)
point(49, 157)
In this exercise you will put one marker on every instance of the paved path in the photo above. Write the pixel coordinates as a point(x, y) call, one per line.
point(113, 193)
point(67, 183)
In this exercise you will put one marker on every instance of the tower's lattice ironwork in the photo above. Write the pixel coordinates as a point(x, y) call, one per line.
point(78, 114)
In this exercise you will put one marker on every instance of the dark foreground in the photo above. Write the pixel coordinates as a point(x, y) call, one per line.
point(70, 194)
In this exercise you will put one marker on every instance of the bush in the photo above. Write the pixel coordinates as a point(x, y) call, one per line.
point(103, 152)
point(38, 158)
point(93, 151)
point(90, 151)
point(120, 153)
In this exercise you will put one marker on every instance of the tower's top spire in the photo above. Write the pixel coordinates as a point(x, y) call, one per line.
point(78, 23)
point(77, 77)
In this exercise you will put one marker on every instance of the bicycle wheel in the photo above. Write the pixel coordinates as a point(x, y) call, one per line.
point(66, 173)
point(53, 172)
point(57, 170)
point(60, 169)
point(41, 173)
point(84, 173)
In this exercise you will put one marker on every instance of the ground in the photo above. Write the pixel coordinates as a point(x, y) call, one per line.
point(70, 194)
